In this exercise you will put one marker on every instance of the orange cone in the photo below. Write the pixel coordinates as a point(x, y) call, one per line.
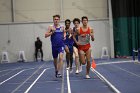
point(93, 65)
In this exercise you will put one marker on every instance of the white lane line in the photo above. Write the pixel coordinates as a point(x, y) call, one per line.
point(105, 63)
point(7, 73)
point(129, 61)
point(68, 82)
point(11, 77)
point(131, 73)
point(10, 69)
point(27, 79)
point(17, 69)
point(6, 70)
point(14, 70)
point(35, 81)
point(62, 86)
point(106, 81)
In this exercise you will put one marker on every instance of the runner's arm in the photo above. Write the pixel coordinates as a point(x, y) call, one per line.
point(74, 35)
point(49, 32)
point(92, 34)
point(64, 32)
point(71, 33)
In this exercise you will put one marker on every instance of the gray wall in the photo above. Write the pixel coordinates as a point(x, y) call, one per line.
point(43, 10)
point(5, 11)
point(16, 37)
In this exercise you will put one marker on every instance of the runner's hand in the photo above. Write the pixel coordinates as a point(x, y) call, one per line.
point(53, 30)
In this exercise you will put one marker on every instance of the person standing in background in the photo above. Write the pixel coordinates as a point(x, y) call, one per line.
point(38, 47)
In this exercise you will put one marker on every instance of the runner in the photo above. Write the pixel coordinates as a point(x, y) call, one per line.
point(57, 33)
point(76, 22)
point(69, 45)
point(84, 33)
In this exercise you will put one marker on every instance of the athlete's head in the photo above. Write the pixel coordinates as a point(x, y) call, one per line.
point(76, 22)
point(84, 20)
point(67, 23)
point(37, 38)
point(56, 19)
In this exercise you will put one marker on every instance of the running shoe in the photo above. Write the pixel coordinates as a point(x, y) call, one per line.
point(87, 77)
point(59, 75)
point(56, 73)
point(71, 70)
point(77, 71)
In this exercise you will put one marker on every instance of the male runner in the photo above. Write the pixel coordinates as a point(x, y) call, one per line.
point(76, 22)
point(57, 33)
point(69, 44)
point(84, 33)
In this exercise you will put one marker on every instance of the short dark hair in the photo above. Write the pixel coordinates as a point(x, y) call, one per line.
point(37, 38)
point(67, 20)
point(84, 17)
point(56, 16)
point(76, 19)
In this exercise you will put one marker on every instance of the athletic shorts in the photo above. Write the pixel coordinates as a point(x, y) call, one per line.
point(70, 48)
point(57, 50)
point(84, 47)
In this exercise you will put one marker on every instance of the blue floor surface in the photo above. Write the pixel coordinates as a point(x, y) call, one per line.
point(20, 77)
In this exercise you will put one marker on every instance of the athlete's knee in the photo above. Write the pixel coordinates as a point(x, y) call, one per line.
point(76, 56)
point(60, 59)
point(68, 52)
point(88, 60)
point(61, 56)
point(71, 56)
point(83, 62)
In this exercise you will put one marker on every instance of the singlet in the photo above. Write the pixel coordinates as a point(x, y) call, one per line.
point(68, 41)
point(84, 37)
point(57, 38)
point(74, 30)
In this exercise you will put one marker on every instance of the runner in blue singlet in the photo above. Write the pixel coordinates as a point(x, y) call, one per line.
point(69, 44)
point(57, 34)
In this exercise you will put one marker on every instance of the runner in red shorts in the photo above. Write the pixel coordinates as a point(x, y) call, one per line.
point(84, 34)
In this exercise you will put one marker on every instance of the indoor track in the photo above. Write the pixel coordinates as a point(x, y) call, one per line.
point(38, 77)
